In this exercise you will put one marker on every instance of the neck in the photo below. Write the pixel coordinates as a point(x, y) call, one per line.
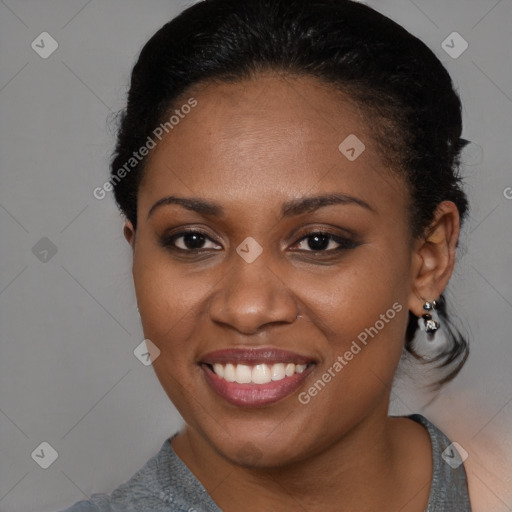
point(367, 467)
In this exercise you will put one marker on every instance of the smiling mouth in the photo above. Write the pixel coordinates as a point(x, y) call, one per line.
point(255, 378)
point(256, 374)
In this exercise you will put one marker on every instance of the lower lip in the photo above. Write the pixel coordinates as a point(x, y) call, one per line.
point(254, 395)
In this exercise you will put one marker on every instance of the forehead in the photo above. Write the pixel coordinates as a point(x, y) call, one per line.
point(267, 138)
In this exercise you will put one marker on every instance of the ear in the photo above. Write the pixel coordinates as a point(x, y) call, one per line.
point(434, 257)
point(129, 232)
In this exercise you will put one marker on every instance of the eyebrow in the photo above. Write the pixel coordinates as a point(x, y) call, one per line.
point(289, 209)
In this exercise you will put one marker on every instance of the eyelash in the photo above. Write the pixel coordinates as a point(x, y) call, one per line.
point(344, 243)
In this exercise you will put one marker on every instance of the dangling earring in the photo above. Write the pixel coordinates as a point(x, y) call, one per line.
point(431, 326)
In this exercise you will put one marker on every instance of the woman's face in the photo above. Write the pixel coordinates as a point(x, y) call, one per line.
point(257, 152)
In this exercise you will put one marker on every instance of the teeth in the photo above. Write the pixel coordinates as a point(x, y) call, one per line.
point(229, 373)
point(261, 374)
point(258, 374)
point(243, 374)
point(218, 369)
point(277, 371)
point(289, 369)
point(300, 368)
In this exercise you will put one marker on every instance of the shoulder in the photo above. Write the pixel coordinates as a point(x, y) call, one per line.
point(157, 486)
point(449, 483)
point(82, 506)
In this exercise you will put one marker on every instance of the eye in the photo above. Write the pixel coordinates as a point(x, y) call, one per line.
point(188, 241)
point(195, 241)
point(319, 241)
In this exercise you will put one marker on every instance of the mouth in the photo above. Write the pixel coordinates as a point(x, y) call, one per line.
point(255, 377)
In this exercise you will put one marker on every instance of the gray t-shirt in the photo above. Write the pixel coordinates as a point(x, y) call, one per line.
point(165, 484)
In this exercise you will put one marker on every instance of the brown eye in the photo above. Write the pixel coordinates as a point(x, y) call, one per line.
point(188, 241)
point(320, 241)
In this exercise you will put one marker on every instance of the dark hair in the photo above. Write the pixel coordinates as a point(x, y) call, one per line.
point(395, 78)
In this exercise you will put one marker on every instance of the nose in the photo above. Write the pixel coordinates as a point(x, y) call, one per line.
point(252, 295)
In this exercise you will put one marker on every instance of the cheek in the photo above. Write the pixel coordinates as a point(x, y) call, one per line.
point(363, 315)
point(173, 305)
point(168, 305)
point(365, 286)
point(164, 299)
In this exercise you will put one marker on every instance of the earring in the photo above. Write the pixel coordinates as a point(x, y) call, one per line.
point(431, 326)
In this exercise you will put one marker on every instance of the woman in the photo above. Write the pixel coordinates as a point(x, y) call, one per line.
point(288, 170)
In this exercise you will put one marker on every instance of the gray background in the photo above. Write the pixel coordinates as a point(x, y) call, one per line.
point(69, 325)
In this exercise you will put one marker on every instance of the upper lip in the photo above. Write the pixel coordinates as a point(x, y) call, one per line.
point(261, 355)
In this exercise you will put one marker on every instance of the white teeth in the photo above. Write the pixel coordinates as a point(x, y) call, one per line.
point(257, 374)
point(261, 374)
point(243, 374)
point(289, 370)
point(277, 371)
point(229, 373)
point(300, 368)
point(218, 369)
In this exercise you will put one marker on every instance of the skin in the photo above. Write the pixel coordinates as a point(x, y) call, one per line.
point(251, 147)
